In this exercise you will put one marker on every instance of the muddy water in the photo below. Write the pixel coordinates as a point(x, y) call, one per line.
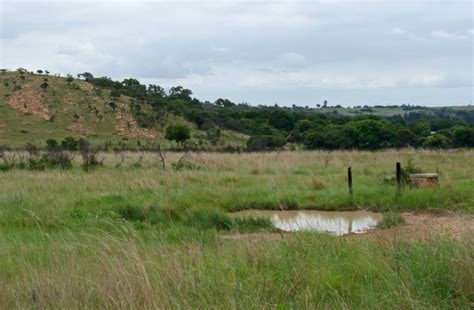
point(333, 222)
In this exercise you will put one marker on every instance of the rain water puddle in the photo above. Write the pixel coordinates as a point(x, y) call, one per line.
point(334, 222)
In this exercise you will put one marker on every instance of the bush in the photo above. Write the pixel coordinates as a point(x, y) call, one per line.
point(409, 168)
point(265, 142)
point(89, 156)
point(58, 159)
point(69, 143)
point(52, 145)
point(32, 149)
point(4, 167)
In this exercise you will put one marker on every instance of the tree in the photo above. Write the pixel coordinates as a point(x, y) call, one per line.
point(178, 133)
point(404, 137)
point(156, 90)
point(39, 71)
point(179, 92)
point(69, 78)
point(226, 103)
point(86, 75)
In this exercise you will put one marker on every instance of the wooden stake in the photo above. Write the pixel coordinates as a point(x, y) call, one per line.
point(349, 180)
point(399, 179)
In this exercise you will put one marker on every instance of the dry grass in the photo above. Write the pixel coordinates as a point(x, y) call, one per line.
point(65, 245)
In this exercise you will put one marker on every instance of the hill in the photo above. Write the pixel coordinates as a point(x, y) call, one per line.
point(128, 114)
point(37, 107)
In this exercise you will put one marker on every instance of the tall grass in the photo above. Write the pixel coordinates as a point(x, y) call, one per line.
point(123, 269)
point(140, 237)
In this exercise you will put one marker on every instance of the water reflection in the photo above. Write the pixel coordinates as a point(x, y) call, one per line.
point(334, 222)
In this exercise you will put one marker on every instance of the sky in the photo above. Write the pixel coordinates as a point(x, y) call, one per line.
point(282, 52)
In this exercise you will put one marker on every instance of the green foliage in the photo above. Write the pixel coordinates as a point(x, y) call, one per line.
point(89, 156)
point(198, 218)
point(265, 142)
point(44, 85)
point(365, 128)
point(178, 133)
point(390, 220)
point(69, 144)
point(52, 144)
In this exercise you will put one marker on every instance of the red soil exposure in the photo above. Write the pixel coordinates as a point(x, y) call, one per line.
point(80, 129)
point(128, 126)
point(29, 101)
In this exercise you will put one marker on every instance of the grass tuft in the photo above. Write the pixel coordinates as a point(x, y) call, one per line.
point(390, 220)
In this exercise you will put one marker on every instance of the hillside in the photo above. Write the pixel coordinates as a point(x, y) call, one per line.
point(34, 108)
point(128, 114)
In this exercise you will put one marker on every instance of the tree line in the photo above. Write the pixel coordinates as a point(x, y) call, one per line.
point(273, 127)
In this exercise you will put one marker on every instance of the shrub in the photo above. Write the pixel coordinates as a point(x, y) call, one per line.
point(58, 159)
point(265, 142)
point(44, 85)
point(52, 145)
point(409, 168)
point(89, 156)
point(32, 149)
point(4, 166)
point(69, 143)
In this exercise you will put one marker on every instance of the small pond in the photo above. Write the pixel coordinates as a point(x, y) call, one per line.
point(334, 222)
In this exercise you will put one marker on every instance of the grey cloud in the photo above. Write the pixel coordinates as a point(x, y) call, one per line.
point(242, 48)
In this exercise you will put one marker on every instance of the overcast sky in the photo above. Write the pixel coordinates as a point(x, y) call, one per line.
point(261, 52)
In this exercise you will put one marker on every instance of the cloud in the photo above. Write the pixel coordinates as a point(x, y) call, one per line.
point(398, 31)
point(448, 35)
point(257, 51)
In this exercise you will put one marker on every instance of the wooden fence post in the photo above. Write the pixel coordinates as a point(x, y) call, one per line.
point(349, 180)
point(399, 179)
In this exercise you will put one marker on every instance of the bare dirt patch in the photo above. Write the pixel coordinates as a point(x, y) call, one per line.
point(419, 225)
point(29, 101)
point(425, 225)
point(128, 126)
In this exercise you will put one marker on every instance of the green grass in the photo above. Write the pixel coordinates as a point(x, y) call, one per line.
point(390, 220)
point(136, 236)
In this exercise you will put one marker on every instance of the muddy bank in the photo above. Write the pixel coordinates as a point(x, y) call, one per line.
point(429, 224)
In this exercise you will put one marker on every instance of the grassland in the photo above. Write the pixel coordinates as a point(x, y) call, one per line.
point(130, 235)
